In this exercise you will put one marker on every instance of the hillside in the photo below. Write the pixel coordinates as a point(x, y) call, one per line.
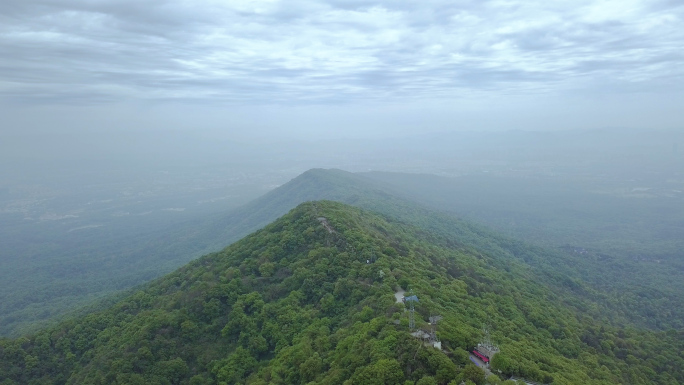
point(628, 293)
point(622, 240)
point(43, 286)
point(297, 302)
point(50, 273)
point(126, 263)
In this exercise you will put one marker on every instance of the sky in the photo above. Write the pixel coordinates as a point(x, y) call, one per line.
point(340, 67)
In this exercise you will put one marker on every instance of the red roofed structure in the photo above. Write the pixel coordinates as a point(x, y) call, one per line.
point(486, 349)
point(483, 358)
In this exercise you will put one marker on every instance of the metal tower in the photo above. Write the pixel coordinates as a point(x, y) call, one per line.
point(433, 327)
point(487, 347)
point(486, 338)
point(411, 299)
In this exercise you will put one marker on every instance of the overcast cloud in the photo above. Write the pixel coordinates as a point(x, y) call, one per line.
point(396, 54)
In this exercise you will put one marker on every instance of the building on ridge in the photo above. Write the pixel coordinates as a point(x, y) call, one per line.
point(486, 350)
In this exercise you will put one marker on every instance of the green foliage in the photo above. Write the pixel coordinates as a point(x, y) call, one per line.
point(598, 232)
point(627, 271)
point(324, 315)
point(502, 362)
point(493, 379)
point(427, 380)
point(384, 371)
point(474, 374)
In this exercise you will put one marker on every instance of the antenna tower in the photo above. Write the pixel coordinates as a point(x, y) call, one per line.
point(487, 339)
point(412, 310)
point(433, 327)
point(487, 347)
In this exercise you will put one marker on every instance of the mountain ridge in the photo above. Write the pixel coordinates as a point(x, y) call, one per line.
point(548, 265)
point(304, 300)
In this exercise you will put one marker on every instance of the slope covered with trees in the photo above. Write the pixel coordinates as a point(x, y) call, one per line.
point(58, 273)
point(622, 239)
point(118, 266)
point(38, 291)
point(298, 302)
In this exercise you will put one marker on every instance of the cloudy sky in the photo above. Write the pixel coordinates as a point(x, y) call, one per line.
point(341, 65)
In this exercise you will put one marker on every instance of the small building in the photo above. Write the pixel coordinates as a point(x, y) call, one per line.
point(411, 298)
point(486, 350)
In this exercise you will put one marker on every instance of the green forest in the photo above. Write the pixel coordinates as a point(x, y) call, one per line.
point(623, 240)
point(635, 293)
point(310, 299)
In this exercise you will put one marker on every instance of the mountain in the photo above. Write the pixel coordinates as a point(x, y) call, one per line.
point(622, 239)
point(636, 293)
point(310, 298)
point(39, 290)
point(653, 303)
point(52, 274)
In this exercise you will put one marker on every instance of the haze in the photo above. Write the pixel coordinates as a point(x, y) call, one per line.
point(123, 118)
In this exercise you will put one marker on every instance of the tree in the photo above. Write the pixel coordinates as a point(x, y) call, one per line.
point(237, 366)
point(474, 374)
point(501, 362)
point(383, 372)
point(310, 368)
point(173, 370)
point(267, 269)
point(389, 370)
point(427, 380)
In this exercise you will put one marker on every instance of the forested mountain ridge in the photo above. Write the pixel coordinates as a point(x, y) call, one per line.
point(624, 240)
point(298, 302)
point(38, 292)
point(623, 305)
point(68, 273)
point(619, 303)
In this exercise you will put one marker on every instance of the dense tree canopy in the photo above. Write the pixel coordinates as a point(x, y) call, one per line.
point(298, 302)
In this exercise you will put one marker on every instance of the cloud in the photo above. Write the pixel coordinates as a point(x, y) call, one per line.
point(268, 51)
